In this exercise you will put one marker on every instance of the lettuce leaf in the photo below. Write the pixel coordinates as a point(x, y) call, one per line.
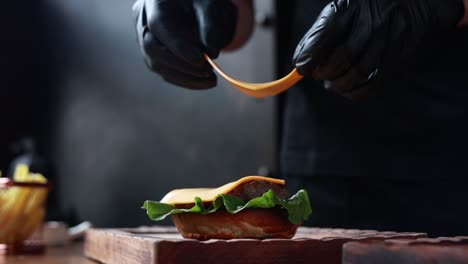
point(297, 206)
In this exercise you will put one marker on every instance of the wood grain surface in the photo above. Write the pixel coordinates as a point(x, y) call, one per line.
point(401, 251)
point(165, 245)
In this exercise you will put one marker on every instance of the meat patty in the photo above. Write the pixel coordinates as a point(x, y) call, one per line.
point(253, 189)
point(249, 190)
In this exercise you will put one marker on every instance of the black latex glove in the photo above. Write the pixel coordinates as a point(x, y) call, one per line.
point(353, 44)
point(174, 34)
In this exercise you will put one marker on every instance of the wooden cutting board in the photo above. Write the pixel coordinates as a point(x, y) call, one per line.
point(164, 245)
point(397, 251)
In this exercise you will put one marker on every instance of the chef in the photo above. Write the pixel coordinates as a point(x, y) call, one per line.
point(376, 131)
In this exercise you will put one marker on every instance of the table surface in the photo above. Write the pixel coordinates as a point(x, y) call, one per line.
point(71, 254)
point(74, 252)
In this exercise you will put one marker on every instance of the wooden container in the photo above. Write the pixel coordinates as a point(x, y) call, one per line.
point(165, 245)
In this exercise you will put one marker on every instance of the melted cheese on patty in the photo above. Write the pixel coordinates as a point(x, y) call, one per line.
point(187, 196)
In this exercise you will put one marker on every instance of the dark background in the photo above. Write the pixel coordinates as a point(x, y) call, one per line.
point(111, 133)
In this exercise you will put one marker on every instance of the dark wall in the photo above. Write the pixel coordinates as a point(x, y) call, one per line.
point(121, 135)
point(26, 72)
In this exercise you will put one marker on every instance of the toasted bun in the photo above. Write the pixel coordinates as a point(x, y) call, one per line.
point(249, 223)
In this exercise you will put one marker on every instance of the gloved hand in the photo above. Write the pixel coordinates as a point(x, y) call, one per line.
point(354, 43)
point(174, 34)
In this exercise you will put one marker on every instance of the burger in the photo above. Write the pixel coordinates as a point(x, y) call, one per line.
point(251, 207)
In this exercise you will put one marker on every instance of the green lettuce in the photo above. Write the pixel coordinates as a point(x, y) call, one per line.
point(297, 206)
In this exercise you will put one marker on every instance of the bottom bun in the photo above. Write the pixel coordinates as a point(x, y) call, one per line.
point(249, 223)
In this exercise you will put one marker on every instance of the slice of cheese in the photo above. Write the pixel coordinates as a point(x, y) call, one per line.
point(187, 196)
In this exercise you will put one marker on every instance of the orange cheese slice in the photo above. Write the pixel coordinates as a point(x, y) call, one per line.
point(259, 90)
point(187, 196)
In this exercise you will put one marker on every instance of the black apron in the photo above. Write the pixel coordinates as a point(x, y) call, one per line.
point(368, 164)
